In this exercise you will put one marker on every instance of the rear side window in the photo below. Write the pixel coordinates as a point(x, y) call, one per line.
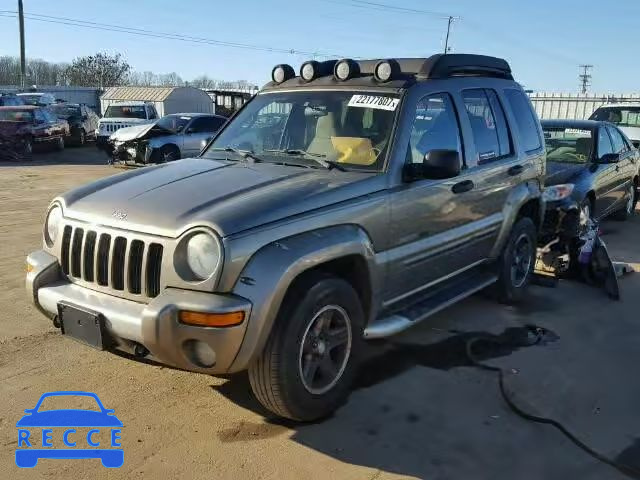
point(488, 124)
point(526, 121)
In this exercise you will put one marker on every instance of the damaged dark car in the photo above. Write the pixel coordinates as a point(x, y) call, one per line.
point(172, 137)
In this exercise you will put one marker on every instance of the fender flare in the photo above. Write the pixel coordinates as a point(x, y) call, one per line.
point(270, 272)
point(518, 196)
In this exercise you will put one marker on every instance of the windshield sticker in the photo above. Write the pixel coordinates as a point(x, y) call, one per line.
point(575, 131)
point(373, 101)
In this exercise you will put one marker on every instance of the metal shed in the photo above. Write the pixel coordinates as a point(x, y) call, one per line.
point(166, 99)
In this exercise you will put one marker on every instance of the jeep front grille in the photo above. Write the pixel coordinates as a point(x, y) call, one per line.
point(112, 261)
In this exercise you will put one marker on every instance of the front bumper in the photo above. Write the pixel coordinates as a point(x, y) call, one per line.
point(154, 326)
point(562, 219)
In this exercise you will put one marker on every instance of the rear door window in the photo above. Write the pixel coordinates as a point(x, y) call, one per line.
point(526, 120)
point(488, 128)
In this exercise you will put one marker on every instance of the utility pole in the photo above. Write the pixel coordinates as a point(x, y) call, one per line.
point(23, 69)
point(446, 42)
point(585, 77)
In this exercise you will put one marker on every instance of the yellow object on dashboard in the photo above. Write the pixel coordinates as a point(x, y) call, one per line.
point(355, 150)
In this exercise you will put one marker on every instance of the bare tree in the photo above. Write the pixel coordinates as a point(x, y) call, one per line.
point(99, 70)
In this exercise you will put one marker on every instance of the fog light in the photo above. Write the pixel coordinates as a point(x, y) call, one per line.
point(199, 353)
point(200, 319)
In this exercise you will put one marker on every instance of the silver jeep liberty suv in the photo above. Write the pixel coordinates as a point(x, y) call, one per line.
point(345, 203)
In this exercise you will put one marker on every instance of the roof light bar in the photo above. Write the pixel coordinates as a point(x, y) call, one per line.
point(309, 70)
point(385, 70)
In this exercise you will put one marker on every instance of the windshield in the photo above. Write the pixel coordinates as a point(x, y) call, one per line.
point(621, 116)
point(65, 111)
point(568, 145)
point(349, 128)
point(16, 116)
point(173, 123)
point(125, 111)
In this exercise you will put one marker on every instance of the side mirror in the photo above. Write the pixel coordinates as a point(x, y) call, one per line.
point(190, 130)
point(436, 165)
point(610, 158)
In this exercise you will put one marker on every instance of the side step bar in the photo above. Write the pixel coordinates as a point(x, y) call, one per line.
point(426, 307)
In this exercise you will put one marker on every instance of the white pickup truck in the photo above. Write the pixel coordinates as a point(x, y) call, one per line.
point(123, 114)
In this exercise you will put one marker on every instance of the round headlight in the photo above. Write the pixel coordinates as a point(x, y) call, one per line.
point(309, 70)
point(203, 255)
point(52, 226)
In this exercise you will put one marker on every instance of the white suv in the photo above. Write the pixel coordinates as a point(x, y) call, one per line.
point(626, 116)
point(123, 114)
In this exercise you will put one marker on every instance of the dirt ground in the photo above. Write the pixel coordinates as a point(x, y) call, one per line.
point(419, 409)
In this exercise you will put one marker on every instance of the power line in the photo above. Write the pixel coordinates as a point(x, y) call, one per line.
point(386, 6)
point(155, 34)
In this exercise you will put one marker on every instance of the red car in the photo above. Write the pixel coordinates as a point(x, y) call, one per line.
point(27, 125)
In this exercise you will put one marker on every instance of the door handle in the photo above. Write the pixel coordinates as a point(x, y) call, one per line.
point(463, 186)
point(515, 170)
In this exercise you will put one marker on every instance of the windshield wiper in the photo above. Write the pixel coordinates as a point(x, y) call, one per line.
point(316, 157)
point(245, 154)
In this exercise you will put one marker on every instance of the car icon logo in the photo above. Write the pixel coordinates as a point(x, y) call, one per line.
point(67, 427)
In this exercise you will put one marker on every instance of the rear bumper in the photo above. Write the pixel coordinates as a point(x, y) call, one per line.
point(155, 325)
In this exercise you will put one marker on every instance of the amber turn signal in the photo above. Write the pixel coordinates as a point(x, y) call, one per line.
point(30, 268)
point(200, 319)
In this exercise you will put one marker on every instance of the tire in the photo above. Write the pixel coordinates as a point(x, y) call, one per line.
point(631, 199)
point(58, 144)
point(27, 148)
point(516, 263)
point(290, 377)
point(169, 153)
point(82, 138)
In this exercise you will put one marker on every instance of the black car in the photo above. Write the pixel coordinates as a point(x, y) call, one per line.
point(590, 163)
point(83, 122)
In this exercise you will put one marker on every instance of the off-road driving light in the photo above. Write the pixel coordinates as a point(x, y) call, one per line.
point(203, 255)
point(309, 70)
point(52, 226)
point(557, 192)
point(345, 69)
point(282, 73)
point(383, 70)
point(201, 319)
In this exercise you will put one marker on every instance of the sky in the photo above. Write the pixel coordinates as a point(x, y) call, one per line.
point(545, 40)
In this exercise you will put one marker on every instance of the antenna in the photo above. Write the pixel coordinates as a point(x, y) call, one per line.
point(585, 77)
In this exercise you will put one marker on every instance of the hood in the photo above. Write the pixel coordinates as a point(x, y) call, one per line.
point(11, 128)
point(130, 133)
point(559, 172)
point(632, 132)
point(227, 196)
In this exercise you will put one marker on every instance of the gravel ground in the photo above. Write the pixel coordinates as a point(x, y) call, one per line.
point(418, 411)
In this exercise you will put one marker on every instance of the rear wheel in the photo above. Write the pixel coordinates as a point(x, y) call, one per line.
point(27, 147)
point(517, 261)
point(629, 204)
point(307, 367)
point(82, 138)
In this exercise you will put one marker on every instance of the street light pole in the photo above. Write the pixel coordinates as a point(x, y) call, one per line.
point(23, 68)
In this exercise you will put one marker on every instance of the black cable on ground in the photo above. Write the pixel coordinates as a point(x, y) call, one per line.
point(626, 470)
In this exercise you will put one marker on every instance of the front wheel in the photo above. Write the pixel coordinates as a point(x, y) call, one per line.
point(629, 205)
point(307, 367)
point(169, 153)
point(58, 144)
point(517, 261)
